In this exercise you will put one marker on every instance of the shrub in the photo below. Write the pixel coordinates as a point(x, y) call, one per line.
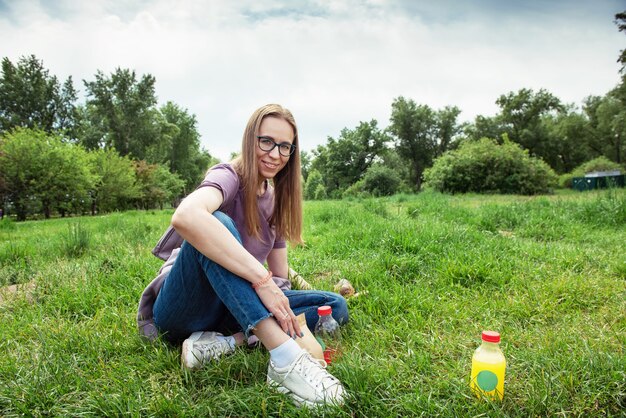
point(311, 187)
point(566, 180)
point(597, 164)
point(356, 190)
point(381, 181)
point(486, 167)
point(320, 192)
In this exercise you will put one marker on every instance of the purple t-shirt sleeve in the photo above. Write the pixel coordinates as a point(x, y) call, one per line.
point(224, 178)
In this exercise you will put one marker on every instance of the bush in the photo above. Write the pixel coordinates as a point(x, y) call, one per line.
point(566, 180)
point(312, 185)
point(320, 192)
point(486, 167)
point(357, 190)
point(381, 181)
point(597, 164)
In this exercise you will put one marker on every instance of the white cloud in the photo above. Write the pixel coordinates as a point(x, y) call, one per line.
point(333, 63)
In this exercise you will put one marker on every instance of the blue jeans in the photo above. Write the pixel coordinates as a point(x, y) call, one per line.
point(201, 295)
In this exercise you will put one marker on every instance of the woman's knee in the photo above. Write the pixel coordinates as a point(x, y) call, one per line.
point(340, 309)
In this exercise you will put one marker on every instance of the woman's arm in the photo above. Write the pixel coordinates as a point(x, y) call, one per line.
point(194, 221)
point(277, 262)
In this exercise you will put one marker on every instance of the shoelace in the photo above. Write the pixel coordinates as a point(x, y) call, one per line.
point(214, 349)
point(315, 373)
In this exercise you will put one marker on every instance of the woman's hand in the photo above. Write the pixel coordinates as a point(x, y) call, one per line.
point(277, 303)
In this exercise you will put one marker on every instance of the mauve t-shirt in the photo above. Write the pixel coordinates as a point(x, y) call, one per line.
point(224, 178)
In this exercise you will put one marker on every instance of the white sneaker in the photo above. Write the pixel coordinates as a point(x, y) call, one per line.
point(201, 347)
point(306, 381)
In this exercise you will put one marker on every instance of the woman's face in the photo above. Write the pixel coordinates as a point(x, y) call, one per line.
point(271, 162)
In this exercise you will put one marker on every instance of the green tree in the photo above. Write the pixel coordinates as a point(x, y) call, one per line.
point(184, 156)
point(40, 172)
point(484, 127)
point(607, 122)
point(611, 114)
point(392, 159)
point(320, 192)
point(422, 133)
point(305, 163)
point(116, 186)
point(22, 165)
point(620, 21)
point(414, 128)
point(66, 180)
point(124, 110)
point(32, 98)
point(157, 185)
point(596, 139)
point(521, 114)
point(569, 133)
point(447, 128)
point(313, 181)
point(171, 184)
point(159, 151)
point(91, 131)
point(344, 160)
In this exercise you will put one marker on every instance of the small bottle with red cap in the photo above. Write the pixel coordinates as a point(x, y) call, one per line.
point(488, 366)
point(327, 332)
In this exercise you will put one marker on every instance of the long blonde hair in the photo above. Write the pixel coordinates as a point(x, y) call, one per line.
point(287, 215)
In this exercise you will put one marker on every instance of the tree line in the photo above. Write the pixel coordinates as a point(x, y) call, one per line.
point(371, 160)
point(562, 135)
point(119, 150)
point(115, 151)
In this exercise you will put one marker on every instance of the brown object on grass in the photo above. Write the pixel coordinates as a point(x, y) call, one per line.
point(344, 288)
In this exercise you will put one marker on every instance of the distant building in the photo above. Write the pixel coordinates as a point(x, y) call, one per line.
point(598, 180)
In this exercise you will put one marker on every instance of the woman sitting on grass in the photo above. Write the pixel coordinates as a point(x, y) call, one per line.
point(216, 284)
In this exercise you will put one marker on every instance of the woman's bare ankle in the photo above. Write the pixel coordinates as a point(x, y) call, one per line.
point(270, 333)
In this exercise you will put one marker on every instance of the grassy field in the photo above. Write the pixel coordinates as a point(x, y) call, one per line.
point(548, 273)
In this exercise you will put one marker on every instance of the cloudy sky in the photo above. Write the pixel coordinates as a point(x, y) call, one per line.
point(334, 63)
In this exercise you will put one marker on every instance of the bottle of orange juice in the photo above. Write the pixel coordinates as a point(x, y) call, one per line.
point(488, 365)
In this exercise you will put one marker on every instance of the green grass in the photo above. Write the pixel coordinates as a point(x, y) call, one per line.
point(548, 273)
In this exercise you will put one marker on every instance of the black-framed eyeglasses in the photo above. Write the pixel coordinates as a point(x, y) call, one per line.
point(267, 144)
